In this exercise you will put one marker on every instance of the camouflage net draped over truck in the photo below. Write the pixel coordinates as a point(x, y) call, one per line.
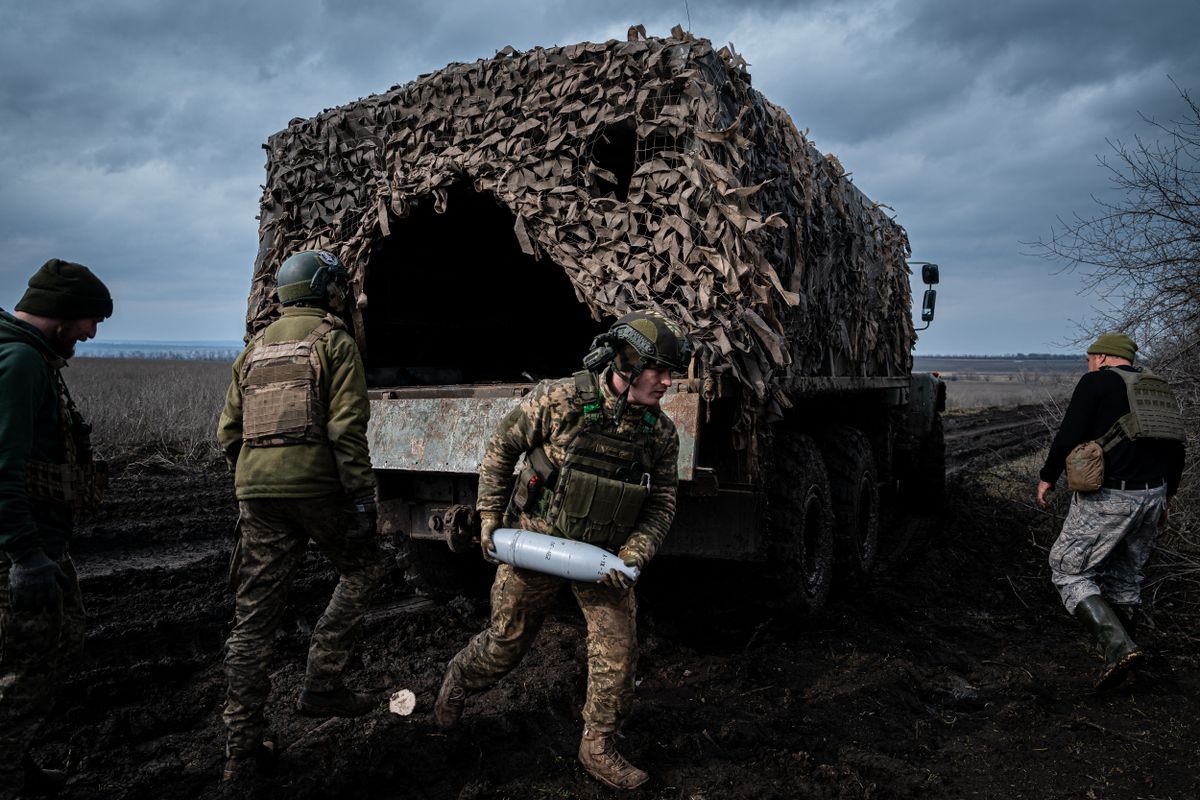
point(719, 211)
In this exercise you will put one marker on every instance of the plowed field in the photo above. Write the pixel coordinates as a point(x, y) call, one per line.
point(955, 674)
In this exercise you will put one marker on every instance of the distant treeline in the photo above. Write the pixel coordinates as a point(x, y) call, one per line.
point(1011, 356)
point(176, 351)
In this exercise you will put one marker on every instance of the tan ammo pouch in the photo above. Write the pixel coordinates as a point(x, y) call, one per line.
point(281, 397)
point(1153, 414)
point(80, 486)
point(1085, 467)
point(596, 509)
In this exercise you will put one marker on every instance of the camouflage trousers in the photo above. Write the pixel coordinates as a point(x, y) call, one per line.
point(1104, 544)
point(520, 601)
point(35, 649)
point(273, 535)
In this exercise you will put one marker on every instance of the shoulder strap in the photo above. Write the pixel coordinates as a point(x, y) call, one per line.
point(588, 392)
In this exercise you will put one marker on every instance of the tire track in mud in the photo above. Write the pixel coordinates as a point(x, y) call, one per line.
point(993, 435)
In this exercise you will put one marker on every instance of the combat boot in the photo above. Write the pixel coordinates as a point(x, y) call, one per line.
point(448, 709)
point(339, 702)
point(41, 782)
point(1121, 653)
point(599, 756)
point(241, 767)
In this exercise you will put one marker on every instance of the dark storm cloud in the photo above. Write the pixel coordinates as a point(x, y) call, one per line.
point(131, 130)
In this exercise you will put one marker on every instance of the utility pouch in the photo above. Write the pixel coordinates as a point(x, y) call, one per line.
point(1085, 467)
point(598, 510)
point(537, 476)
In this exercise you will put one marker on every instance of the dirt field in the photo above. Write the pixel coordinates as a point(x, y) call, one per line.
point(955, 675)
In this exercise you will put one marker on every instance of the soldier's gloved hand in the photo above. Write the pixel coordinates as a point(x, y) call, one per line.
point(364, 521)
point(36, 583)
point(488, 522)
point(632, 557)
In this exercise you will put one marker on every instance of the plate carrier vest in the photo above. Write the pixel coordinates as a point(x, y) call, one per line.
point(598, 492)
point(281, 390)
point(1153, 411)
point(79, 480)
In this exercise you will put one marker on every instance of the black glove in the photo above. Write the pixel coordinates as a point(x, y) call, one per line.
point(35, 583)
point(364, 521)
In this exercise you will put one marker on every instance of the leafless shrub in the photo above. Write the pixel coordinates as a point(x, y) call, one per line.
point(155, 409)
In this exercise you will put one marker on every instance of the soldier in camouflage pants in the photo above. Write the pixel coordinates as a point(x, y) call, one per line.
point(1096, 563)
point(601, 467)
point(272, 540)
point(1105, 542)
point(294, 429)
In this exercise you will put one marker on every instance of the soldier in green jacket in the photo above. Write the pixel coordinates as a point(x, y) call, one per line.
point(294, 429)
point(600, 467)
point(47, 475)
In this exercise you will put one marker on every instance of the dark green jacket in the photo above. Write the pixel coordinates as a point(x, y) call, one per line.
point(29, 430)
point(319, 469)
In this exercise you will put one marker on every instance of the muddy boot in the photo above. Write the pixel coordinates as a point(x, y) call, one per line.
point(339, 702)
point(1130, 615)
point(1120, 651)
point(448, 709)
point(599, 756)
point(246, 766)
point(41, 782)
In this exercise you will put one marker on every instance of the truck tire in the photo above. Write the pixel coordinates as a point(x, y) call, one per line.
point(854, 485)
point(800, 538)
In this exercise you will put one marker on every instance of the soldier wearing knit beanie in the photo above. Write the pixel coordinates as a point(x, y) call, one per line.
point(47, 476)
point(65, 290)
point(65, 301)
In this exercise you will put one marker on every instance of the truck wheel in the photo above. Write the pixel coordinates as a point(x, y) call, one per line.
point(801, 549)
point(854, 484)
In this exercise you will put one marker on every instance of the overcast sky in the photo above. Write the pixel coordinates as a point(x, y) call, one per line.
point(131, 131)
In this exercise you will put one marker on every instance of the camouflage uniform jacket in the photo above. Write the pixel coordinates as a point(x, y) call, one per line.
point(551, 416)
point(30, 430)
point(310, 469)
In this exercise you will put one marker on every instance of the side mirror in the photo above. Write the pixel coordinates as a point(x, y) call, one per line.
point(929, 301)
point(929, 276)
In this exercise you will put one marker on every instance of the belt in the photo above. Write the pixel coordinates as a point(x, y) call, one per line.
point(1132, 486)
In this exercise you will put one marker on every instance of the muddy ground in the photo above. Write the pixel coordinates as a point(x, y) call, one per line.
point(955, 675)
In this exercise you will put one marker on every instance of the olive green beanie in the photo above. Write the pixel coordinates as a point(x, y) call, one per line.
point(65, 290)
point(1113, 343)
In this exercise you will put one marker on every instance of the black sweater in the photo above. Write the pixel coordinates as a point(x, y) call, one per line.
point(1100, 399)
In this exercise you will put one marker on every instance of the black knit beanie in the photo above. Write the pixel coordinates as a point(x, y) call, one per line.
point(65, 290)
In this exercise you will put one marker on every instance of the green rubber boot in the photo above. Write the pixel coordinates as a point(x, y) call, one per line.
point(1121, 653)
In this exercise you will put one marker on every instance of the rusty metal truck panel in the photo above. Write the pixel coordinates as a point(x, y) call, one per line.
point(423, 429)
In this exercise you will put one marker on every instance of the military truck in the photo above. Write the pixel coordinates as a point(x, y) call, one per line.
point(497, 215)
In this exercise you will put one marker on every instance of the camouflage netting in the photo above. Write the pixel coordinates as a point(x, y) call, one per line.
point(731, 222)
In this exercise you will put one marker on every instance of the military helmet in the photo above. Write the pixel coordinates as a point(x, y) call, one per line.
point(647, 339)
point(311, 276)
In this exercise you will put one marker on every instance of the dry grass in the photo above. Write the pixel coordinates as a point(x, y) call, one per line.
point(150, 408)
point(966, 394)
